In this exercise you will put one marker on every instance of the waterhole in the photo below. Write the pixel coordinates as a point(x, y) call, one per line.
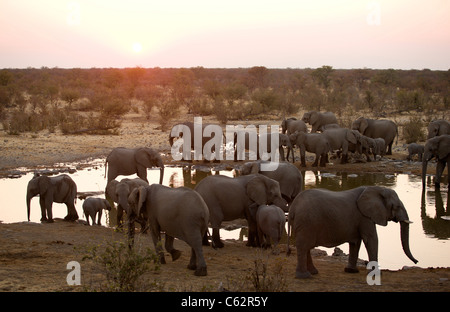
point(429, 232)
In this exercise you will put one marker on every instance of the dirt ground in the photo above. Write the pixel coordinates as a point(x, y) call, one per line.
point(34, 257)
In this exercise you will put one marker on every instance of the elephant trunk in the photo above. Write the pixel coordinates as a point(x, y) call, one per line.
point(404, 233)
point(29, 197)
point(161, 175)
point(424, 170)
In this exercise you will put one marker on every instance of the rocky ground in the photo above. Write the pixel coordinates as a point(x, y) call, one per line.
point(34, 256)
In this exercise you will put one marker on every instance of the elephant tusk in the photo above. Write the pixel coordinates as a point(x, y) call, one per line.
point(407, 221)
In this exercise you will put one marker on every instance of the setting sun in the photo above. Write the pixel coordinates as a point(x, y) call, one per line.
point(137, 47)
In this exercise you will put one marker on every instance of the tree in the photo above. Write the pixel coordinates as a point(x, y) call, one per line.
point(322, 75)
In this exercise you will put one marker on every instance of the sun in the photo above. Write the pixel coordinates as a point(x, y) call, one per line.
point(137, 47)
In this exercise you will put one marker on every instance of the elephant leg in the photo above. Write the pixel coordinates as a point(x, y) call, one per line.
point(316, 161)
point(217, 243)
point(353, 257)
point(309, 263)
point(99, 217)
point(323, 160)
point(169, 247)
point(72, 214)
point(440, 166)
point(389, 151)
point(119, 215)
point(344, 158)
point(197, 261)
point(302, 258)
point(156, 237)
point(43, 204)
point(142, 173)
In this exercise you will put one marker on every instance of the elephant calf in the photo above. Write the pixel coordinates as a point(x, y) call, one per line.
point(415, 149)
point(270, 222)
point(320, 217)
point(93, 206)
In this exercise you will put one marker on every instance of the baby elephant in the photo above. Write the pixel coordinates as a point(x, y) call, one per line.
point(92, 206)
point(415, 149)
point(270, 220)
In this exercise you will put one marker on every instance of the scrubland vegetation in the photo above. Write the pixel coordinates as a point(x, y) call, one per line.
point(94, 100)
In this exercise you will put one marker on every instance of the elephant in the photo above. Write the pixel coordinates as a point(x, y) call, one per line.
point(270, 222)
point(373, 128)
point(321, 217)
point(315, 143)
point(440, 147)
point(230, 198)
point(415, 149)
point(329, 126)
point(286, 174)
point(58, 189)
point(92, 206)
point(128, 161)
point(290, 125)
point(380, 148)
point(339, 139)
point(178, 128)
point(283, 140)
point(438, 127)
point(119, 193)
point(179, 212)
point(318, 119)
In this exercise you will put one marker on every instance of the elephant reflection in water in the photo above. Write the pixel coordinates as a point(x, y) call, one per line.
point(439, 226)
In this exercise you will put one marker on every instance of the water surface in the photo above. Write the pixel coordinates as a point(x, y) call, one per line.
point(429, 234)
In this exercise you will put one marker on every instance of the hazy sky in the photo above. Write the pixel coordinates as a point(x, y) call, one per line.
point(401, 34)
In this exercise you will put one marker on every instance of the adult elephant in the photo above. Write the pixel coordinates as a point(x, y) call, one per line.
point(340, 139)
point(283, 140)
point(179, 212)
point(321, 217)
point(179, 130)
point(291, 125)
point(438, 147)
point(119, 193)
point(438, 127)
point(315, 143)
point(58, 189)
point(230, 198)
point(385, 129)
point(286, 174)
point(318, 119)
point(128, 161)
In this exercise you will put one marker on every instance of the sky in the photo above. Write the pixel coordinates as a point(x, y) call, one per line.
point(345, 34)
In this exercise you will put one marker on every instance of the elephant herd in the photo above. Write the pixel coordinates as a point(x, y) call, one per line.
point(317, 217)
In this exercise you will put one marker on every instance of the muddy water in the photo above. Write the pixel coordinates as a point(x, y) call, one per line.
point(429, 234)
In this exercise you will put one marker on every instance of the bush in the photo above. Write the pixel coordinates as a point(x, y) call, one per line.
point(413, 130)
point(123, 267)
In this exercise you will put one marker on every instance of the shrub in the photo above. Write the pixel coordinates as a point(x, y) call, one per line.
point(413, 130)
point(123, 267)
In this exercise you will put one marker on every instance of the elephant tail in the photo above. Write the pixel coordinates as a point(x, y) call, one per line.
point(106, 165)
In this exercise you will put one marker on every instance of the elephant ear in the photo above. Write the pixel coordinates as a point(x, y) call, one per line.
point(255, 167)
point(363, 124)
point(44, 184)
point(137, 198)
point(146, 157)
point(313, 118)
point(443, 147)
point(256, 190)
point(351, 137)
point(372, 204)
